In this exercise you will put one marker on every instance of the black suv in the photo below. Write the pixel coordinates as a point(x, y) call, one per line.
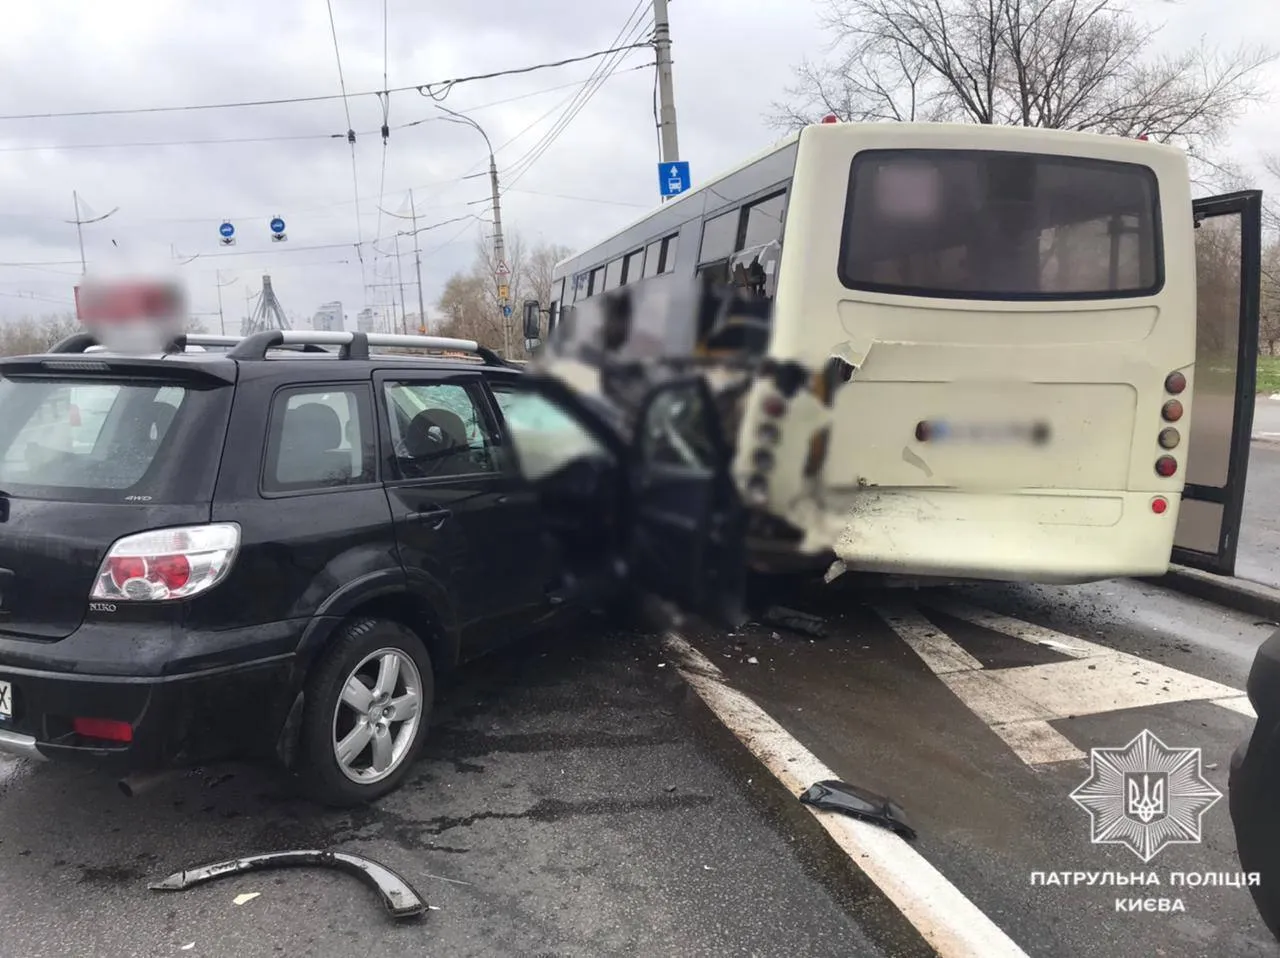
point(276, 549)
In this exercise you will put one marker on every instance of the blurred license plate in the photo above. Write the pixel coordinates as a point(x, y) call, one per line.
point(994, 432)
point(6, 700)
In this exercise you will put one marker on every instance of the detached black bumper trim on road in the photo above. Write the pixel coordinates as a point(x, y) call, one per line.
point(397, 895)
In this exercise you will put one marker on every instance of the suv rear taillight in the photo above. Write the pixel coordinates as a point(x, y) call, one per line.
point(167, 563)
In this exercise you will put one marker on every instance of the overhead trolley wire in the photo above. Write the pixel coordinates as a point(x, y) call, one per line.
point(424, 88)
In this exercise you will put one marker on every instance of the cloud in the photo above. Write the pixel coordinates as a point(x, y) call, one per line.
point(599, 172)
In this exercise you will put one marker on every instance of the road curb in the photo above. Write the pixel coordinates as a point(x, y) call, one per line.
point(1251, 597)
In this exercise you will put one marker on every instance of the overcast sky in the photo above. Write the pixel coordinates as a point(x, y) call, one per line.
point(597, 174)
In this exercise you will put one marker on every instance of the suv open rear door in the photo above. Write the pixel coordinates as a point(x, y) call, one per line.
point(689, 536)
point(1228, 270)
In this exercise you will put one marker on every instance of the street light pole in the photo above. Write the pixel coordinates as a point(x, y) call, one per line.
point(499, 248)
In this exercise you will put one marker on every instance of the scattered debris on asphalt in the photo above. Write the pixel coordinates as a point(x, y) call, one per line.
point(837, 796)
point(796, 621)
point(752, 660)
point(246, 897)
point(399, 898)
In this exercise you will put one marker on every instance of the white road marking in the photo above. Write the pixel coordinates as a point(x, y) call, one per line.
point(1019, 703)
point(1007, 625)
point(933, 645)
point(952, 925)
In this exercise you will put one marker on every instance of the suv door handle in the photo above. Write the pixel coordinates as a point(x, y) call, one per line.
point(432, 516)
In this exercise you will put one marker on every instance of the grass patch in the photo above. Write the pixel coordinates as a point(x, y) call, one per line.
point(1268, 375)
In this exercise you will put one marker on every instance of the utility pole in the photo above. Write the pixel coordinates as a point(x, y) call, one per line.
point(417, 263)
point(417, 258)
point(404, 320)
point(80, 223)
point(222, 322)
point(501, 272)
point(666, 95)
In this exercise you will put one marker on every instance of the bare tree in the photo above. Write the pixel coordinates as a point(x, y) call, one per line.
point(467, 314)
point(28, 335)
point(1063, 64)
point(470, 300)
point(541, 267)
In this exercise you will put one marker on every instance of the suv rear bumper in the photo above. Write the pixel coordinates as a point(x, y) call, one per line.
point(235, 708)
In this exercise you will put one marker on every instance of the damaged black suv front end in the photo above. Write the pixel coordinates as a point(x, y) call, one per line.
point(667, 371)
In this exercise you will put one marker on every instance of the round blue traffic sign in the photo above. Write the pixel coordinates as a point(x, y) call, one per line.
point(227, 230)
point(277, 225)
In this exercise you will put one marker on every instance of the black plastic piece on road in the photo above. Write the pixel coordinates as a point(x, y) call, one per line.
point(397, 895)
point(795, 621)
point(836, 796)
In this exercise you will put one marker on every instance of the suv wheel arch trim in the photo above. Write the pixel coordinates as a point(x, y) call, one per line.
point(416, 586)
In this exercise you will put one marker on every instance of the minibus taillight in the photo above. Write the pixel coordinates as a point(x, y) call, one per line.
point(1174, 383)
point(758, 491)
point(1171, 411)
point(1159, 505)
point(1169, 438)
point(1166, 466)
point(774, 406)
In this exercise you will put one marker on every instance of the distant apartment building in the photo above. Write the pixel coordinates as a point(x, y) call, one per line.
point(367, 321)
point(328, 318)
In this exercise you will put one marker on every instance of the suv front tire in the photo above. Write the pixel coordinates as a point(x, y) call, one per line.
point(366, 712)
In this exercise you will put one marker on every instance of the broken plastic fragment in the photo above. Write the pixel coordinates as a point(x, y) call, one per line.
point(398, 897)
point(836, 796)
point(796, 621)
point(246, 897)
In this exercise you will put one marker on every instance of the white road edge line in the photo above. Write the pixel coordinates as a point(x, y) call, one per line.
point(952, 925)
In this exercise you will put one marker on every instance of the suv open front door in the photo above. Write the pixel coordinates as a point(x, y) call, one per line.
point(689, 536)
point(1228, 270)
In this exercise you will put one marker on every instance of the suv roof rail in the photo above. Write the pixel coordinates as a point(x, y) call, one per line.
point(75, 343)
point(88, 343)
point(355, 345)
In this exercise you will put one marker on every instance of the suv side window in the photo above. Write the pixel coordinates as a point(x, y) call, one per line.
point(320, 437)
point(545, 436)
point(437, 430)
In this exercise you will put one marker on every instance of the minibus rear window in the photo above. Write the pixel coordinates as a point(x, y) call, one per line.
point(995, 225)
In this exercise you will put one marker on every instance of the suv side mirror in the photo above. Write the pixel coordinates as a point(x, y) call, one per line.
point(532, 319)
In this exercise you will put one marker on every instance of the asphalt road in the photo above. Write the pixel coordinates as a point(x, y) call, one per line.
point(577, 800)
point(1258, 555)
point(989, 813)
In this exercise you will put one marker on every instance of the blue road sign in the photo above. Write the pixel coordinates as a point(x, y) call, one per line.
point(506, 310)
point(673, 177)
point(227, 230)
point(277, 225)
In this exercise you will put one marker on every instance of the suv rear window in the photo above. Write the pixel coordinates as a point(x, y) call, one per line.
point(94, 440)
point(993, 225)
